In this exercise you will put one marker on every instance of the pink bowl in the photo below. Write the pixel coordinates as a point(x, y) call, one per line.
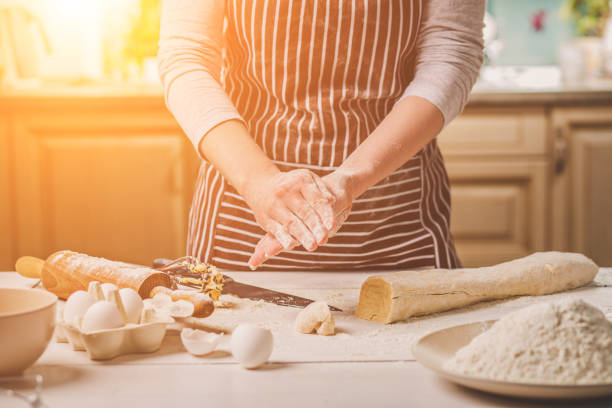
point(27, 321)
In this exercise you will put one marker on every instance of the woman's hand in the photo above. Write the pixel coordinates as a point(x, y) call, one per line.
point(292, 207)
point(339, 185)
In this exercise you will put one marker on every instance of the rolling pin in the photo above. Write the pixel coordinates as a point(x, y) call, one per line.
point(65, 272)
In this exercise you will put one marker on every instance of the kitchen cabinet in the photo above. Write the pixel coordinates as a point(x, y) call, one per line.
point(582, 220)
point(7, 210)
point(530, 177)
point(110, 180)
point(498, 170)
point(109, 172)
point(498, 210)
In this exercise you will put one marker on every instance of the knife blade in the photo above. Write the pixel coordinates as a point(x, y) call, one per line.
point(246, 291)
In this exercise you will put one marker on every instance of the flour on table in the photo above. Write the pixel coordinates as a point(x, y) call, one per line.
point(565, 342)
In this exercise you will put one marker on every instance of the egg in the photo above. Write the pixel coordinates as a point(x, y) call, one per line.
point(251, 345)
point(108, 287)
point(132, 303)
point(102, 315)
point(76, 306)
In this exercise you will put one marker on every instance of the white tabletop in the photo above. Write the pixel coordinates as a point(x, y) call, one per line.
point(170, 377)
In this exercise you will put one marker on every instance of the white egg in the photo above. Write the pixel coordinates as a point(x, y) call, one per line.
point(132, 303)
point(251, 345)
point(106, 288)
point(102, 315)
point(76, 306)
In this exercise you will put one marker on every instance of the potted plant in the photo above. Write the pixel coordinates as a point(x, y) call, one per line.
point(589, 21)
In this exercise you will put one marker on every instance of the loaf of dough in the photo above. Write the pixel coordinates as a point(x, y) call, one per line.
point(397, 296)
point(315, 317)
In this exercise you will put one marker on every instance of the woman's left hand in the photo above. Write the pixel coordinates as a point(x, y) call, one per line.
point(339, 184)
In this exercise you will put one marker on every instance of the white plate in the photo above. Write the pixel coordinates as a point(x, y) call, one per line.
point(434, 349)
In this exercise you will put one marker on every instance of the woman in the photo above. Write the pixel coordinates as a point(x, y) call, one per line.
point(316, 122)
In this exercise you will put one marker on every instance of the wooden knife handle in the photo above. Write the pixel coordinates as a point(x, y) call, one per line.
point(203, 306)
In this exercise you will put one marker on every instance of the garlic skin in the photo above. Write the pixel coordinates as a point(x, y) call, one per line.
point(251, 345)
point(102, 315)
point(199, 342)
point(76, 306)
point(132, 303)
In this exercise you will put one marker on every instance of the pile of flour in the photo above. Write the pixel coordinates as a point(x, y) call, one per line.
point(566, 342)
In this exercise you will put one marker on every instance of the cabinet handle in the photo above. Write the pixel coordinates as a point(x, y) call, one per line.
point(560, 151)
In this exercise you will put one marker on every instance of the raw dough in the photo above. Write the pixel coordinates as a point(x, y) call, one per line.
point(566, 342)
point(315, 317)
point(397, 296)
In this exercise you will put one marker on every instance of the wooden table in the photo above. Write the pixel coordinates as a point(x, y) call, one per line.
point(70, 380)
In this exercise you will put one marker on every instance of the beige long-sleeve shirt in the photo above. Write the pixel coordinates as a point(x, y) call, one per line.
point(311, 79)
point(445, 59)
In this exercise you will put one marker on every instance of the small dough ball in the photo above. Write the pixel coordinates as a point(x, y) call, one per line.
point(315, 317)
point(251, 345)
point(102, 315)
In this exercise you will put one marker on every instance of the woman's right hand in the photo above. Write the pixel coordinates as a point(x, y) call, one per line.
point(293, 206)
point(340, 185)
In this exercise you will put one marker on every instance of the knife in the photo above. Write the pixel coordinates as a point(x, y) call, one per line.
point(243, 290)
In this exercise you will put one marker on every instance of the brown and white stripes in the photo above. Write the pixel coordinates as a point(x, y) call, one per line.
point(311, 79)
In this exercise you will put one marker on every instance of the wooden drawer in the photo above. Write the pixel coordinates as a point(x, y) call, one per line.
point(498, 210)
point(110, 184)
point(489, 132)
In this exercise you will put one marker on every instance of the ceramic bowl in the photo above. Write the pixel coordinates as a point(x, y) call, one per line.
point(27, 321)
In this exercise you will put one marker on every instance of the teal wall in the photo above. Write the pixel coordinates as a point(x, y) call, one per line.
point(522, 45)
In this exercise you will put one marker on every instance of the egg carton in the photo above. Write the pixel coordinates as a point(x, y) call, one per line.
point(111, 343)
point(140, 333)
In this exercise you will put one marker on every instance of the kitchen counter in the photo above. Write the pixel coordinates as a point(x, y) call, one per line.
point(509, 86)
point(170, 377)
point(541, 85)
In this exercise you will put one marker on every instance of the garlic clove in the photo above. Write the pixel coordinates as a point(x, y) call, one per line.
point(198, 342)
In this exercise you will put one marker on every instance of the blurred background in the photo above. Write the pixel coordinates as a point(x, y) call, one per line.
point(90, 159)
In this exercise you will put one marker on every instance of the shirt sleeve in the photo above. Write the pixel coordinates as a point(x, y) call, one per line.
point(449, 53)
point(190, 61)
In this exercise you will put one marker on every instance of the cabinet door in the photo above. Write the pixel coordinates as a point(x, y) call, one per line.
point(109, 184)
point(498, 210)
point(510, 132)
point(7, 227)
point(584, 185)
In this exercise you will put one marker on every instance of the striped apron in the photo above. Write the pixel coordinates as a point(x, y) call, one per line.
point(311, 79)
